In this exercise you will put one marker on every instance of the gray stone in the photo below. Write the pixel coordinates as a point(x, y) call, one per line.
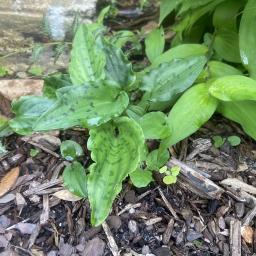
point(163, 251)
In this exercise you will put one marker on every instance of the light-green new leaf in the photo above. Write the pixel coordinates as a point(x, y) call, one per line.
point(242, 112)
point(194, 108)
point(247, 37)
point(154, 125)
point(169, 79)
point(115, 149)
point(141, 178)
point(87, 59)
point(154, 43)
point(74, 179)
point(233, 88)
point(220, 69)
point(86, 106)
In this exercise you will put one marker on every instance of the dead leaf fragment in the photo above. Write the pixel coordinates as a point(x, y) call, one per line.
point(9, 180)
point(12, 89)
point(247, 234)
point(66, 195)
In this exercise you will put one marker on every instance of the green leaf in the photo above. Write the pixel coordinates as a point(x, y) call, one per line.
point(226, 45)
point(242, 112)
point(34, 152)
point(70, 150)
point(103, 14)
point(188, 5)
point(155, 160)
point(175, 170)
point(170, 79)
point(86, 106)
point(116, 148)
point(180, 52)
point(194, 108)
point(27, 110)
point(234, 140)
point(75, 179)
point(166, 7)
point(168, 180)
point(120, 38)
point(141, 178)
point(233, 88)
point(35, 71)
point(219, 69)
point(225, 14)
point(154, 43)
point(247, 37)
point(87, 59)
point(218, 141)
point(118, 68)
point(135, 112)
point(54, 82)
point(3, 71)
point(5, 130)
point(154, 125)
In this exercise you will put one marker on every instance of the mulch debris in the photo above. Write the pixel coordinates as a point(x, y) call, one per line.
point(210, 213)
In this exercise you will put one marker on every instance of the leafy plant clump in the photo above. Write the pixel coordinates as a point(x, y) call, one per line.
point(124, 108)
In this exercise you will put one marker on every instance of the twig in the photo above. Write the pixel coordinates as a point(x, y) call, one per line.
point(235, 237)
point(168, 204)
point(112, 243)
point(128, 207)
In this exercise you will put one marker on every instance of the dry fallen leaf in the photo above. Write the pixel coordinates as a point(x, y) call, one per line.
point(247, 234)
point(12, 89)
point(9, 180)
point(66, 195)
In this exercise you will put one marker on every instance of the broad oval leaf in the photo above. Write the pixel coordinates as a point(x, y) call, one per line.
point(194, 108)
point(170, 79)
point(118, 68)
point(226, 45)
point(156, 159)
point(247, 37)
point(87, 106)
point(242, 112)
point(70, 150)
point(219, 69)
point(233, 88)
point(141, 178)
point(27, 110)
point(166, 7)
point(188, 5)
point(115, 149)
point(180, 52)
point(75, 180)
point(87, 59)
point(154, 43)
point(154, 125)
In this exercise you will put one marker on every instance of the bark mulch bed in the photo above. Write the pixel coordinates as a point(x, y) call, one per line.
point(210, 211)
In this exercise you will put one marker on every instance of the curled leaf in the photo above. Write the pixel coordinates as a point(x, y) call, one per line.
point(7, 182)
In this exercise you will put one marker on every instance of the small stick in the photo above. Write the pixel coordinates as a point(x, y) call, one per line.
point(168, 204)
point(128, 207)
point(235, 237)
point(249, 217)
point(112, 243)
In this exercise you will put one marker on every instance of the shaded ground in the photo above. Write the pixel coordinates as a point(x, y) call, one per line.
point(157, 220)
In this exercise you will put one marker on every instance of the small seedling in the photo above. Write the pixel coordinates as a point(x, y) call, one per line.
point(234, 140)
point(171, 174)
point(218, 141)
point(70, 150)
point(33, 152)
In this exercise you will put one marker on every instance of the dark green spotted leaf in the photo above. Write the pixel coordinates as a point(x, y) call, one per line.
point(115, 149)
point(154, 125)
point(242, 112)
point(74, 178)
point(118, 68)
point(86, 106)
point(70, 150)
point(54, 82)
point(87, 59)
point(154, 43)
point(141, 178)
point(27, 110)
point(247, 37)
point(233, 88)
point(169, 79)
point(194, 108)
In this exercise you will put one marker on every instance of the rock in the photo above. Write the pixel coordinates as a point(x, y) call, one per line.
point(163, 251)
point(94, 247)
point(114, 222)
point(130, 197)
point(239, 208)
point(247, 234)
point(133, 227)
point(193, 235)
point(145, 250)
